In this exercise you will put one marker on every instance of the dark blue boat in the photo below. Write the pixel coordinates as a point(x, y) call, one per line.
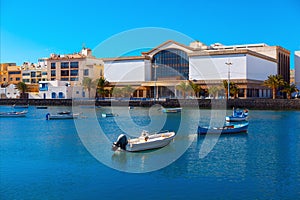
point(228, 129)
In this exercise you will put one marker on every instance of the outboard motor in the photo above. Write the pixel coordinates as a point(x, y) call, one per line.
point(47, 116)
point(121, 142)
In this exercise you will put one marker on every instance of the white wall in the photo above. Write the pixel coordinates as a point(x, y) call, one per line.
point(297, 68)
point(125, 70)
point(260, 69)
point(214, 67)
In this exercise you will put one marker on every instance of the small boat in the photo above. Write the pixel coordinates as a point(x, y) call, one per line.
point(13, 114)
point(130, 107)
point(61, 115)
point(171, 110)
point(104, 115)
point(41, 107)
point(145, 142)
point(237, 116)
point(227, 129)
point(21, 106)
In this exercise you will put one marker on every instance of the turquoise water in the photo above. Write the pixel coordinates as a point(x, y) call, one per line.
point(43, 159)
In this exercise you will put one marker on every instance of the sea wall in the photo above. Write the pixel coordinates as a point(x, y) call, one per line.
point(260, 104)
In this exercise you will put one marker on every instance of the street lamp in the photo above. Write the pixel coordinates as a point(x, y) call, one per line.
point(155, 88)
point(228, 63)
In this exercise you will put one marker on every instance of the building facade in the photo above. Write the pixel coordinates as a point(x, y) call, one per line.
point(10, 74)
point(297, 68)
point(74, 67)
point(158, 71)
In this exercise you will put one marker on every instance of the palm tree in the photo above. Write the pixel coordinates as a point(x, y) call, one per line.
point(101, 84)
point(22, 87)
point(197, 88)
point(87, 84)
point(184, 87)
point(213, 90)
point(274, 82)
point(234, 90)
point(128, 90)
point(289, 89)
point(117, 92)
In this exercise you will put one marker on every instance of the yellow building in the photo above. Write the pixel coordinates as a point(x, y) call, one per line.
point(10, 74)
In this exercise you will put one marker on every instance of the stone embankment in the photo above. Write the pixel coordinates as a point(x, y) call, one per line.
point(260, 104)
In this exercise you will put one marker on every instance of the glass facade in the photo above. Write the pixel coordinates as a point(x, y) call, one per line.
point(171, 64)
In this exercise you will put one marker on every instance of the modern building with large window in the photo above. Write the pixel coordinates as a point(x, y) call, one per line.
point(74, 67)
point(158, 71)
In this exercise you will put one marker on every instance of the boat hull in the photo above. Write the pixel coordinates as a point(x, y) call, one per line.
point(224, 130)
point(13, 114)
point(61, 116)
point(235, 119)
point(171, 110)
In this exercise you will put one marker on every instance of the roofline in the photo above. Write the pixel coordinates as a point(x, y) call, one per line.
point(166, 42)
point(125, 58)
point(230, 52)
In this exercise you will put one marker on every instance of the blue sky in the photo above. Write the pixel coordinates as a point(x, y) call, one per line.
point(33, 29)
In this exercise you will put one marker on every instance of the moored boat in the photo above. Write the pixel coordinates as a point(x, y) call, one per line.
point(227, 129)
point(237, 115)
point(145, 142)
point(41, 107)
point(104, 115)
point(62, 116)
point(20, 106)
point(171, 110)
point(13, 114)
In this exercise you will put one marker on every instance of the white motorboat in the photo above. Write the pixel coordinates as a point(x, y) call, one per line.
point(62, 115)
point(104, 115)
point(13, 114)
point(145, 142)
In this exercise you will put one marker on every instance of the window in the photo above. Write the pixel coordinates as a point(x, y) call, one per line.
point(33, 74)
point(53, 65)
point(74, 72)
point(64, 65)
point(74, 64)
point(26, 74)
point(53, 73)
point(44, 73)
point(15, 72)
point(65, 79)
point(101, 72)
point(86, 72)
point(64, 73)
point(73, 79)
point(171, 63)
point(18, 79)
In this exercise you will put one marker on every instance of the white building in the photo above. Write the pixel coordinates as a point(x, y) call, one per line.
point(171, 63)
point(60, 90)
point(11, 92)
point(297, 69)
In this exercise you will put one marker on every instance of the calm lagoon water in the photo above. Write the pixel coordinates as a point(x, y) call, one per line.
point(42, 159)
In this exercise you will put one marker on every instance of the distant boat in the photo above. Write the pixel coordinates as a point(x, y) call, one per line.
point(104, 115)
point(21, 106)
point(171, 110)
point(237, 115)
point(228, 129)
point(130, 107)
point(41, 107)
point(145, 142)
point(13, 114)
point(62, 115)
